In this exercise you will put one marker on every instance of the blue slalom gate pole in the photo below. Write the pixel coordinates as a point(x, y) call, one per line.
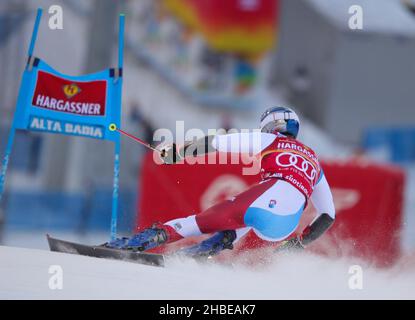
point(121, 41)
point(34, 32)
point(115, 194)
point(6, 158)
point(10, 141)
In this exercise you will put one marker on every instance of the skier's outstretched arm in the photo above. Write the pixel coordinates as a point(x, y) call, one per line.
point(244, 142)
point(172, 153)
point(322, 200)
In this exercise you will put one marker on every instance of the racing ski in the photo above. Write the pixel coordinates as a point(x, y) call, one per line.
point(101, 251)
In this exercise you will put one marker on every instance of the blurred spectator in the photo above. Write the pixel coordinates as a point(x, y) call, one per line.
point(410, 4)
point(213, 66)
point(245, 74)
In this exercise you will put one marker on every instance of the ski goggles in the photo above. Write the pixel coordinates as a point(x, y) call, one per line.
point(279, 125)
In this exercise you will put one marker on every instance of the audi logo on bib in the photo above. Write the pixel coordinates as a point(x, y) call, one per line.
point(292, 161)
point(288, 159)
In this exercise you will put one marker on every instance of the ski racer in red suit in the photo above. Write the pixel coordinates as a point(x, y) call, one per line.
point(291, 176)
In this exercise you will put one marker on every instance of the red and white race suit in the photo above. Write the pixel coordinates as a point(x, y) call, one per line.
point(291, 174)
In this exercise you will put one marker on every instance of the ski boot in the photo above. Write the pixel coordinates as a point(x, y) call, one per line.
point(147, 239)
point(118, 243)
point(211, 246)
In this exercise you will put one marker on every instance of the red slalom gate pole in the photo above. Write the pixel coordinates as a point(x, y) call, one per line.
point(113, 127)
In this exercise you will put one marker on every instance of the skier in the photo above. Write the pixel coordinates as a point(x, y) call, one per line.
point(290, 176)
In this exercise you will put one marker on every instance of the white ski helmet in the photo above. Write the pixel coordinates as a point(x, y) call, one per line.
point(280, 119)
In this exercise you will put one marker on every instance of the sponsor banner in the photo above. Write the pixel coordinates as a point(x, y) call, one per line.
point(63, 127)
point(76, 97)
point(365, 227)
point(74, 105)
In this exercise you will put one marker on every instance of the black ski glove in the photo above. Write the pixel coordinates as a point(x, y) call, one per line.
point(310, 233)
point(169, 153)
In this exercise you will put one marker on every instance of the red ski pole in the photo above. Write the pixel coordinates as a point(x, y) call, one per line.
point(113, 127)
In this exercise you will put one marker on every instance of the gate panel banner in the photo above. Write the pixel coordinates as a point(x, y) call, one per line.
point(82, 106)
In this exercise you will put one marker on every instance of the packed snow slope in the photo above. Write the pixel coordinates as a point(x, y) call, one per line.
point(24, 274)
